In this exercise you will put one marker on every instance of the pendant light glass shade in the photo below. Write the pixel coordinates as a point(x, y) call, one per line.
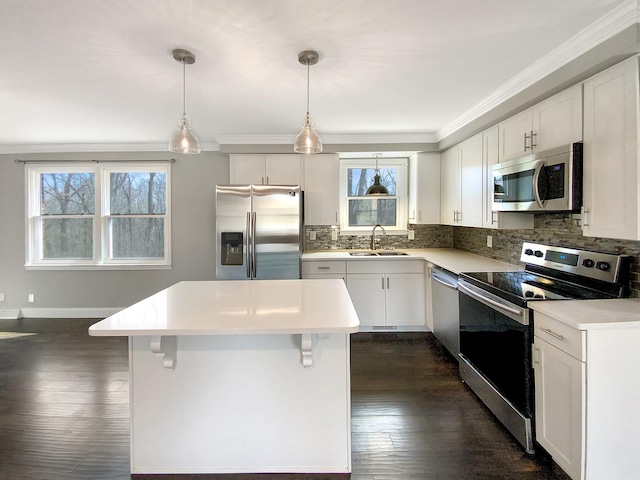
point(377, 188)
point(183, 139)
point(308, 141)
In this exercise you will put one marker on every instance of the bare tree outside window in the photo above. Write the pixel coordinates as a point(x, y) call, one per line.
point(137, 203)
point(65, 199)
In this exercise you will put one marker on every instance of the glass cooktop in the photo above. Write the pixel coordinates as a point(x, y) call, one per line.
point(526, 286)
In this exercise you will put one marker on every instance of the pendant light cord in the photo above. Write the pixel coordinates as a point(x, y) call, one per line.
point(184, 88)
point(307, 88)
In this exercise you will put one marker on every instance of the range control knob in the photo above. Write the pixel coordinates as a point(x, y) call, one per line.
point(587, 262)
point(604, 266)
point(538, 253)
point(528, 251)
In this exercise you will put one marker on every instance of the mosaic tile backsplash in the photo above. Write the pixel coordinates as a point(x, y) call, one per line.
point(551, 229)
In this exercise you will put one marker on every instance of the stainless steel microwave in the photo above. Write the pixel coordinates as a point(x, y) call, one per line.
point(546, 181)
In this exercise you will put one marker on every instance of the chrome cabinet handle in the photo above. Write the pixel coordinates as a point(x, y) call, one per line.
point(585, 213)
point(536, 356)
point(533, 136)
point(322, 268)
point(387, 283)
point(525, 141)
point(493, 218)
point(552, 333)
point(382, 282)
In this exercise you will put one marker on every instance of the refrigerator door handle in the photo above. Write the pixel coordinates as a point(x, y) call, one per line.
point(248, 252)
point(253, 246)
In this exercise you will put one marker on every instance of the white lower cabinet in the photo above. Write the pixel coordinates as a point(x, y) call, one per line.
point(387, 295)
point(587, 397)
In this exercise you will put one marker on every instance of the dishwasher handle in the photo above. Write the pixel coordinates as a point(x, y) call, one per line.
point(445, 278)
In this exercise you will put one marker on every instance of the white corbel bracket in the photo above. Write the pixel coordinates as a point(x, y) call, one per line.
point(306, 350)
point(167, 347)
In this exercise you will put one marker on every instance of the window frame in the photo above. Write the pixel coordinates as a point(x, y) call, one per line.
point(101, 258)
point(401, 196)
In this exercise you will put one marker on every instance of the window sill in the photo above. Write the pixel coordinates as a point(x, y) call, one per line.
point(98, 267)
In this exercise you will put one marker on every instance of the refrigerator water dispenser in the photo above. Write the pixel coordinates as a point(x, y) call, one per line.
point(231, 252)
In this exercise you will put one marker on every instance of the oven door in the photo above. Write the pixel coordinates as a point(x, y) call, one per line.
point(495, 353)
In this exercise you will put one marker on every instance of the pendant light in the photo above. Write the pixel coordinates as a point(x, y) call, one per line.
point(308, 140)
point(377, 188)
point(183, 139)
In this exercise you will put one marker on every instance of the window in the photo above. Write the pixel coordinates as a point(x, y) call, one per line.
point(98, 216)
point(359, 212)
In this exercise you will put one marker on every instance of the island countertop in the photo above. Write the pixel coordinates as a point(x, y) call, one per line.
point(237, 308)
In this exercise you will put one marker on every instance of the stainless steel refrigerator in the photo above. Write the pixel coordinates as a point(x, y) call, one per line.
point(258, 232)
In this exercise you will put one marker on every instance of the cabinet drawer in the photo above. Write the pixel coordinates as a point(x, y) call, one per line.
point(382, 265)
point(309, 268)
point(560, 335)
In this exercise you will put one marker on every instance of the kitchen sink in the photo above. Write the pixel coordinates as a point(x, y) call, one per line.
point(376, 253)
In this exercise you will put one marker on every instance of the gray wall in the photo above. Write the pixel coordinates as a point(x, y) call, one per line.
point(192, 240)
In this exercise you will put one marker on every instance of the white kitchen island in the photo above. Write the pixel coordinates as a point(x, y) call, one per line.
point(239, 376)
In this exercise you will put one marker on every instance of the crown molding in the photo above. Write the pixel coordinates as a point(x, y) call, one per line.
point(95, 147)
point(612, 23)
point(330, 138)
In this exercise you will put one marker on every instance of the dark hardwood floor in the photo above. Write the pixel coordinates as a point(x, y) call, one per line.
point(64, 412)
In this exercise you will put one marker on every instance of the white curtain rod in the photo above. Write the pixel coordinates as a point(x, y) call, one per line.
point(17, 160)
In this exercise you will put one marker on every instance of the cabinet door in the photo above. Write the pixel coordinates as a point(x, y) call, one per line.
point(557, 121)
point(404, 299)
point(428, 302)
point(559, 404)
point(321, 180)
point(367, 294)
point(450, 186)
point(424, 188)
point(283, 169)
point(611, 176)
point(512, 136)
point(471, 182)
point(247, 169)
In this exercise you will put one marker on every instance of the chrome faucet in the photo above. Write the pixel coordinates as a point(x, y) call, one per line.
point(373, 235)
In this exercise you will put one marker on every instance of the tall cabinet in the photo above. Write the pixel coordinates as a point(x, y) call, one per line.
point(611, 170)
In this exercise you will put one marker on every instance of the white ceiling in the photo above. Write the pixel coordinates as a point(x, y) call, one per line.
point(100, 72)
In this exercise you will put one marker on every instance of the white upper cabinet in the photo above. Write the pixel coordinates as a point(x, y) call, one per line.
point(321, 181)
point(554, 122)
point(450, 186)
point(461, 184)
point(491, 219)
point(471, 182)
point(424, 188)
point(611, 172)
point(285, 169)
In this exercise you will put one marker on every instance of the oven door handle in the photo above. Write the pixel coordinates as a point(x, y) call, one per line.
point(536, 177)
point(514, 311)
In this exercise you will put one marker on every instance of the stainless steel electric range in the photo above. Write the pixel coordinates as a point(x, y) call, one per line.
point(496, 325)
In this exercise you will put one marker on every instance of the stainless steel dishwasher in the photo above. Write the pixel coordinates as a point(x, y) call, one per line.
point(444, 296)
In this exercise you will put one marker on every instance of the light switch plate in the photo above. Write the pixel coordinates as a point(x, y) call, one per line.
point(312, 235)
point(489, 241)
point(2, 297)
point(334, 235)
point(31, 298)
point(412, 234)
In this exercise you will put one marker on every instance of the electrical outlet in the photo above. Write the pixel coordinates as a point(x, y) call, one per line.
point(2, 297)
point(334, 235)
point(489, 241)
point(312, 235)
point(412, 234)
point(32, 298)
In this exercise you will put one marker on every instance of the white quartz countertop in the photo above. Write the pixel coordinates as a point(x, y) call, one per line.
point(593, 314)
point(238, 307)
point(454, 260)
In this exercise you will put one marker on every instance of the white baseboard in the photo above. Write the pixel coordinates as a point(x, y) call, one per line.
point(9, 314)
point(77, 312)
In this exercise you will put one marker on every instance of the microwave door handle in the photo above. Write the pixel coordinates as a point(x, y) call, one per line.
point(536, 177)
